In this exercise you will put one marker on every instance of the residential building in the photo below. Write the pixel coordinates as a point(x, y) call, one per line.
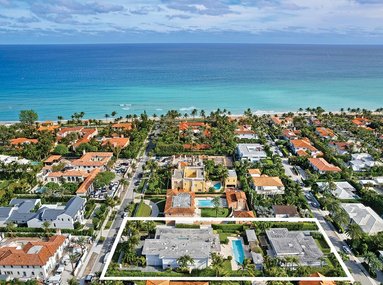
point(254, 172)
point(171, 243)
point(303, 147)
point(194, 127)
point(179, 203)
point(294, 243)
point(266, 185)
point(361, 161)
point(285, 211)
point(253, 152)
point(288, 134)
point(362, 123)
point(23, 141)
point(93, 160)
point(236, 200)
point(123, 126)
point(115, 142)
point(231, 180)
point(87, 187)
point(325, 133)
point(60, 217)
point(6, 159)
point(73, 176)
point(340, 148)
point(29, 260)
point(369, 221)
point(84, 134)
point(52, 159)
point(322, 166)
point(245, 132)
point(28, 212)
point(189, 178)
point(343, 190)
point(282, 121)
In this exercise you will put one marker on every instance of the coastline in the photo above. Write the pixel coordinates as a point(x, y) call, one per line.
point(256, 113)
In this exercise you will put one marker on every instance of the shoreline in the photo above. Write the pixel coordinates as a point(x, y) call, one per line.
point(256, 113)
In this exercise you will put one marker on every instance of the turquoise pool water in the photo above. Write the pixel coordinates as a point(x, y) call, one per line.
point(239, 253)
point(205, 203)
point(217, 186)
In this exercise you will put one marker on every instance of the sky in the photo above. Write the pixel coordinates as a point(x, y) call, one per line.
point(200, 21)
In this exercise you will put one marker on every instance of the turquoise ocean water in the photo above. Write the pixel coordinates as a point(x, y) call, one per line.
point(97, 79)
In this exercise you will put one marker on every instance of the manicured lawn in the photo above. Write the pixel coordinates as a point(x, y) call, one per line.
point(211, 212)
point(223, 237)
point(143, 210)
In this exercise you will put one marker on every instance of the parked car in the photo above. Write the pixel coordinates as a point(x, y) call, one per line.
point(346, 249)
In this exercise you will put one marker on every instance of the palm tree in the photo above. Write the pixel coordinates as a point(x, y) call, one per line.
point(73, 281)
point(106, 117)
point(217, 203)
point(194, 112)
point(73, 258)
point(184, 262)
point(216, 262)
point(373, 262)
point(354, 231)
point(46, 225)
point(10, 229)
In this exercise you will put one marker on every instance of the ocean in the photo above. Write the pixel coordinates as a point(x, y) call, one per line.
point(58, 80)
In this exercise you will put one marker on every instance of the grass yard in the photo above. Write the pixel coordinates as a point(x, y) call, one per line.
point(211, 212)
point(143, 210)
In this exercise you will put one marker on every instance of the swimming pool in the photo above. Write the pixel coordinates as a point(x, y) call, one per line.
point(205, 203)
point(239, 253)
point(217, 186)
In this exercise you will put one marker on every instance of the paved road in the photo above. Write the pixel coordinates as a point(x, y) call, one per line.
point(354, 264)
point(96, 263)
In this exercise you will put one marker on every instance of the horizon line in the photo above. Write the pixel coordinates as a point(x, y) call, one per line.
point(193, 43)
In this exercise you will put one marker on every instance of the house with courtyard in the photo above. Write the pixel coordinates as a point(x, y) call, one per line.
point(171, 243)
point(179, 203)
point(300, 244)
point(189, 178)
point(93, 160)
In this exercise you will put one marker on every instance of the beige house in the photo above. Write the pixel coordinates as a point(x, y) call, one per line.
point(189, 178)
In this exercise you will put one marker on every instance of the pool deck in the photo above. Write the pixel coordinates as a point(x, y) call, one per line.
point(227, 250)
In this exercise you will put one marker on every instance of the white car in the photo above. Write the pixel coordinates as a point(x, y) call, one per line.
point(346, 249)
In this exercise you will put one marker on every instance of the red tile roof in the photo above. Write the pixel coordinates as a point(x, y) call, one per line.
point(52, 158)
point(178, 211)
point(322, 165)
point(201, 146)
point(125, 126)
point(19, 141)
point(325, 132)
point(116, 142)
point(96, 159)
point(83, 189)
point(38, 256)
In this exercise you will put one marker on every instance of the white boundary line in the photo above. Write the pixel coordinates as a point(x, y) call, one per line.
point(233, 278)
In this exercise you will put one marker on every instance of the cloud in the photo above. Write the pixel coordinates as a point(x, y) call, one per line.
point(252, 17)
